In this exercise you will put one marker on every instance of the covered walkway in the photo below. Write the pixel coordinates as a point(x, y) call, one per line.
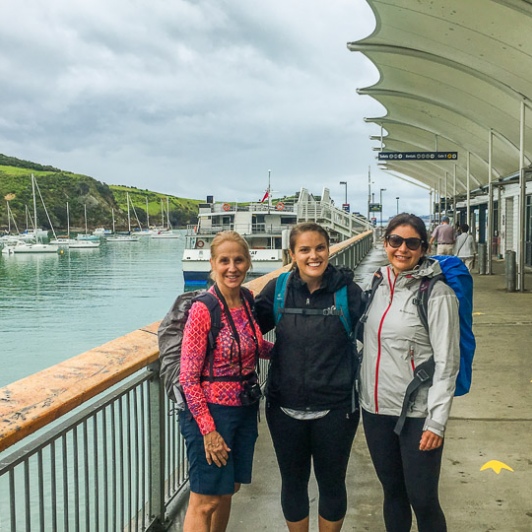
point(493, 422)
point(455, 80)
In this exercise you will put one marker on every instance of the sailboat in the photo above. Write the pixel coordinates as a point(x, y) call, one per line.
point(21, 246)
point(122, 237)
point(86, 235)
point(165, 231)
point(67, 242)
point(10, 235)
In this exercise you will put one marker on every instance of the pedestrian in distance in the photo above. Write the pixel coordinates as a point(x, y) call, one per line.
point(396, 342)
point(219, 423)
point(311, 404)
point(465, 247)
point(444, 236)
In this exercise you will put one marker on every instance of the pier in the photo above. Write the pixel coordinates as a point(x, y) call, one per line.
point(492, 423)
point(127, 425)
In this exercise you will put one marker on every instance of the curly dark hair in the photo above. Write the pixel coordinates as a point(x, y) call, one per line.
point(413, 221)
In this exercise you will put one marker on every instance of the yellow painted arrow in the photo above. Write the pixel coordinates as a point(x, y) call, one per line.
point(496, 465)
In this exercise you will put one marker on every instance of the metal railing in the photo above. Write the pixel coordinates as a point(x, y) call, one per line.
point(333, 218)
point(92, 444)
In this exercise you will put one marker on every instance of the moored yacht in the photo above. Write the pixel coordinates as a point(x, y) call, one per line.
point(261, 224)
point(265, 225)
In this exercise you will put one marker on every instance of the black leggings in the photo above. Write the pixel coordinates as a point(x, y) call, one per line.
point(327, 443)
point(409, 477)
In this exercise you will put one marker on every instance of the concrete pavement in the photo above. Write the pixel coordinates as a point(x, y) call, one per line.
point(492, 422)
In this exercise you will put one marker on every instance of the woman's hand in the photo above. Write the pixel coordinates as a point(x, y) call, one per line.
point(430, 441)
point(216, 450)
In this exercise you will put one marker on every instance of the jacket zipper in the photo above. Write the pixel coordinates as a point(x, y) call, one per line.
point(379, 344)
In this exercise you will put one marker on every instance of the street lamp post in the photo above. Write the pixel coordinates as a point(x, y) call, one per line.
point(344, 183)
point(397, 199)
point(380, 200)
point(345, 206)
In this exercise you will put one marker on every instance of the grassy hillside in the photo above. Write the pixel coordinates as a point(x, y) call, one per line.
point(58, 187)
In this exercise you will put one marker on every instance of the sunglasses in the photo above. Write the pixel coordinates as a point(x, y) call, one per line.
point(396, 241)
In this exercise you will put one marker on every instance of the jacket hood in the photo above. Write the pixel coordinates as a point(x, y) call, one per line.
point(428, 267)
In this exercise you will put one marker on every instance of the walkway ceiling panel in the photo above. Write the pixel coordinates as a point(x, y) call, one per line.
point(443, 122)
point(451, 71)
point(485, 103)
point(491, 36)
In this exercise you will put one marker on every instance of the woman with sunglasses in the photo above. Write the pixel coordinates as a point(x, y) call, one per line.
point(395, 343)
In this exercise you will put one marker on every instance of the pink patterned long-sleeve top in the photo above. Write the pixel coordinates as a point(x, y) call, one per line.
point(226, 361)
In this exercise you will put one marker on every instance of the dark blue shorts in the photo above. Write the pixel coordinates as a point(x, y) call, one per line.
point(238, 427)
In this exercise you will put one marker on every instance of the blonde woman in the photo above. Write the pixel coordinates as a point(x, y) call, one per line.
point(219, 423)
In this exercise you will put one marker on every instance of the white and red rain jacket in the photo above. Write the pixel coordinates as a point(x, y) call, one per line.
point(395, 342)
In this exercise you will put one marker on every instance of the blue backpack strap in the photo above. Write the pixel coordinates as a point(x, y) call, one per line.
point(280, 295)
point(341, 303)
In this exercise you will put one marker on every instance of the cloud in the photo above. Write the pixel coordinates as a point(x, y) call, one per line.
point(193, 97)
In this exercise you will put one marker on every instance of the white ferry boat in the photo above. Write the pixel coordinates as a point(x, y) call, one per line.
point(265, 226)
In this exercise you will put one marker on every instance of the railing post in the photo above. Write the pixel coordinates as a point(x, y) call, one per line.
point(511, 271)
point(482, 258)
point(157, 429)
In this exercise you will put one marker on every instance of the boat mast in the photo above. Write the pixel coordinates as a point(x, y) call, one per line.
point(269, 192)
point(68, 222)
point(10, 215)
point(168, 212)
point(8, 218)
point(34, 206)
point(128, 215)
point(113, 216)
point(147, 213)
point(86, 230)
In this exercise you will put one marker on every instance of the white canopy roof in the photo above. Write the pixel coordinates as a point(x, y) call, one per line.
point(451, 71)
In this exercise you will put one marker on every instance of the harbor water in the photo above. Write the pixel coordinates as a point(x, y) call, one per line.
point(56, 306)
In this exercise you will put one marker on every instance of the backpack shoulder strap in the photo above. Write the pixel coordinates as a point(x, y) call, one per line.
point(213, 306)
point(342, 304)
point(422, 375)
point(248, 297)
point(368, 294)
point(280, 295)
point(422, 298)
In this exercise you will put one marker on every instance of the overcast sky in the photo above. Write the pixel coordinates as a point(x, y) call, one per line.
point(196, 97)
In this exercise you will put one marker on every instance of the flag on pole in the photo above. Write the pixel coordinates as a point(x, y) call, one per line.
point(266, 194)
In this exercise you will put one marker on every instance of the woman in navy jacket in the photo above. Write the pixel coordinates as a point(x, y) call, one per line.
point(311, 408)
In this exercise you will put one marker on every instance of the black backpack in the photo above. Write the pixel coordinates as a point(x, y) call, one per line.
point(170, 335)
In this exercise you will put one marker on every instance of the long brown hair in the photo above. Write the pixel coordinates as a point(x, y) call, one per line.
point(305, 227)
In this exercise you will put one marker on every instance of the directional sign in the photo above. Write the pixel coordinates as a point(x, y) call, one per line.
point(375, 207)
point(418, 155)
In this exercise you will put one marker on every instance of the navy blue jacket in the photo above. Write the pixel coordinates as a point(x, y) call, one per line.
point(313, 362)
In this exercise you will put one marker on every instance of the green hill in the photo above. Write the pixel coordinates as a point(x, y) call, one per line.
point(58, 187)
